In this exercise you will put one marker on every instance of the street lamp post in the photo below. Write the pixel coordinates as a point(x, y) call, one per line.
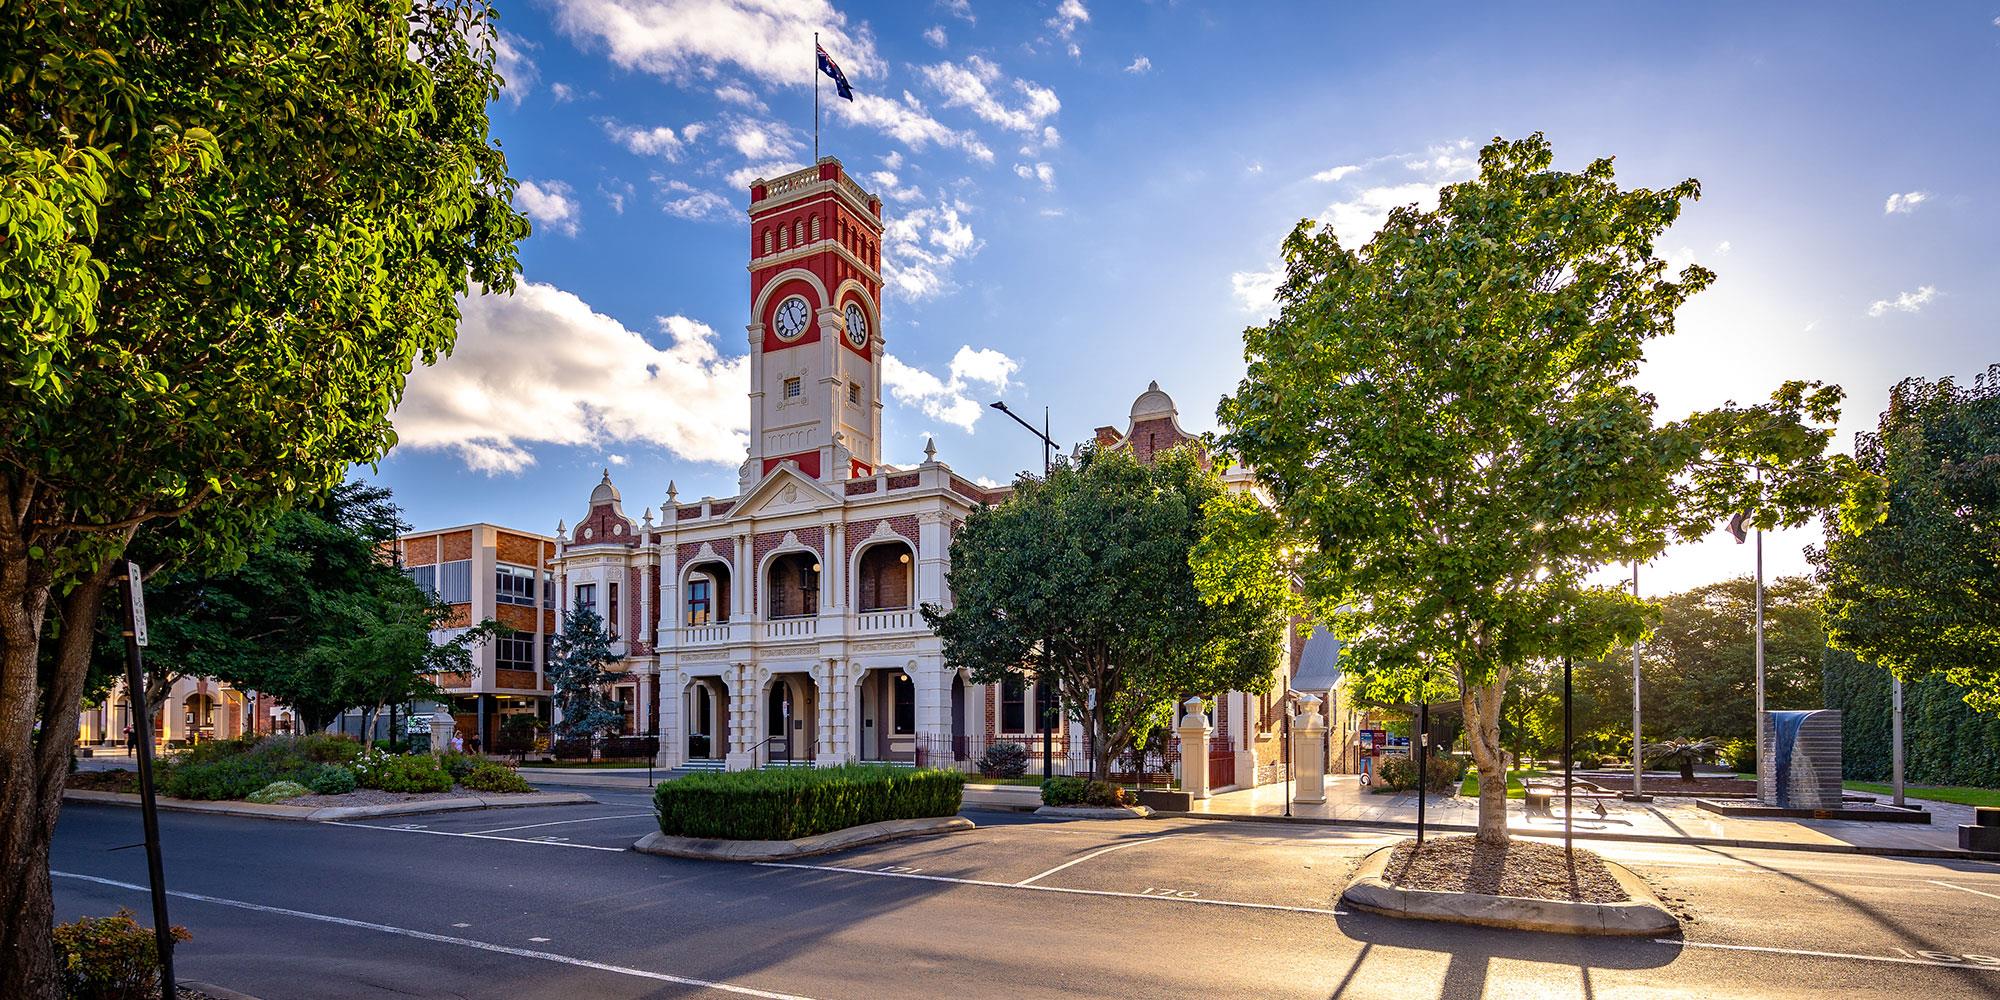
point(1048, 463)
point(1638, 792)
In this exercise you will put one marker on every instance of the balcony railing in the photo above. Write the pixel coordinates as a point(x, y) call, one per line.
point(705, 635)
point(896, 620)
point(791, 628)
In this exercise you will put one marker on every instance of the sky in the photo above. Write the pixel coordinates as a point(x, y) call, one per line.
point(1083, 196)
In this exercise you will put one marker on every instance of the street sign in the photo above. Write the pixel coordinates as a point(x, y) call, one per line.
point(136, 591)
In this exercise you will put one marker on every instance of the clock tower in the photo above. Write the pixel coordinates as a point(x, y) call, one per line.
point(815, 325)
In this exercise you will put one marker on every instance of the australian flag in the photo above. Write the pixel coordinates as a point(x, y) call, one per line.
point(832, 69)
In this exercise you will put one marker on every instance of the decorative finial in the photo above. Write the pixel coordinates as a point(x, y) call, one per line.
point(930, 450)
point(607, 474)
point(647, 521)
point(561, 527)
point(673, 495)
point(1153, 386)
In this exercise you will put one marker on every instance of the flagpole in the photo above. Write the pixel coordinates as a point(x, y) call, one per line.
point(815, 72)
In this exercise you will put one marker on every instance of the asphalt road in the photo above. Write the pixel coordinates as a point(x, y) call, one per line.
point(547, 902)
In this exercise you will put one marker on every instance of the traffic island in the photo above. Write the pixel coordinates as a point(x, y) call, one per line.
point(1520, 886)
point(1097, 812)
point(716, 849)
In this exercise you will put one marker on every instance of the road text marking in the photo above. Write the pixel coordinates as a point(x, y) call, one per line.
point(542, 956)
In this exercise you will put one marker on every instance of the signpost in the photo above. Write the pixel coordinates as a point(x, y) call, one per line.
point(135, 683)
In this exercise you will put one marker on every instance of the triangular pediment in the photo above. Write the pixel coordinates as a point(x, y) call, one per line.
point(785, 490)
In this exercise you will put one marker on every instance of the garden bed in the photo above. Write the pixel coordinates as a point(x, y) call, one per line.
point(784, 804)
point(1520, 868)
point(1519, 886)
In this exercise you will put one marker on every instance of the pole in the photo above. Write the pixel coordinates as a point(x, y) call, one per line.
point(149, 810)
point(815, 75)
point(1568, 790)
point(1896, 735)
point(1760, 643)
point(1638, 747)
point(1288, 765)
point(1422, 748)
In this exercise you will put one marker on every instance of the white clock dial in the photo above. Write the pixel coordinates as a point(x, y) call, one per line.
point(793, 315)
point(857, 325)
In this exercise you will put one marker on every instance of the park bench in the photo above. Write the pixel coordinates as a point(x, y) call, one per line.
point(1539, 795)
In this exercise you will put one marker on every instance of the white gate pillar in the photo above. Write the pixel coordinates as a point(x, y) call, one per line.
point(1309, 751)
point(1194, 732)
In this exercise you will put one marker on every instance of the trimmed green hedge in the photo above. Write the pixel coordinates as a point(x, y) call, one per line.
point(1945, 742)
point(792, 802)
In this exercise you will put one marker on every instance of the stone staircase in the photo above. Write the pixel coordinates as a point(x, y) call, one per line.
point(696, 767)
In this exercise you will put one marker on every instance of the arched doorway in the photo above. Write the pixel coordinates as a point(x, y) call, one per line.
point(791, 709)
point(791, 584)
point(706, 711)
point(198, 712)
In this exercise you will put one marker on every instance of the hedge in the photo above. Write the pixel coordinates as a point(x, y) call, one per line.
point(1944, 741)
point(792, 802)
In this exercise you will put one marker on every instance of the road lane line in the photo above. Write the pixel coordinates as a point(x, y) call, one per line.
point(1892, 959)
point(543, 956)
point(1961, 888)
point(1053, 888)
point(474, 836)
point(1032, 879)
point(560, 822)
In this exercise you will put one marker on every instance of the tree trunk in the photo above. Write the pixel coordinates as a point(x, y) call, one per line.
point(1480, 705)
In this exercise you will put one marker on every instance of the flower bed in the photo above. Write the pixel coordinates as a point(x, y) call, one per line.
point(789, 803)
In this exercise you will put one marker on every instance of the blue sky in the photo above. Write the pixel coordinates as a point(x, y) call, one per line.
point(1085, 196)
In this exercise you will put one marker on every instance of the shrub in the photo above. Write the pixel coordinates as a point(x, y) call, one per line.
point(278, 791)
point(493, 777)
point(573, 749)
point(1103, 793)
point(401, 772)
point(458, 765)
point(1004, 760)
point(1740, 756)
point(332, 779)
point(1061, 790)
point(792, 802)
point(1682, 754)
point(227, 778)
point(1398, 773)
point(110, 958)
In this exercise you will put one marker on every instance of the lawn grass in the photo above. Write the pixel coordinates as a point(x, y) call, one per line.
point(1470, 786)
point(1948, 793)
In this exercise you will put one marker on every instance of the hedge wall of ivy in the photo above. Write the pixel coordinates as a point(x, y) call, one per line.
point(1944, 741)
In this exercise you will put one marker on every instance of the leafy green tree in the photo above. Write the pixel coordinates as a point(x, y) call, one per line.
point(1447, 421)
point(226, 233)
point(1698, 668)
point(577, 669)
point(1084, 582)
point(1917, 593)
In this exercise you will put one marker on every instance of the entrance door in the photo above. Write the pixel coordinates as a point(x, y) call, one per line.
point(779, 721)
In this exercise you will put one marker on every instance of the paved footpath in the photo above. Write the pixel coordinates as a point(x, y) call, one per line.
point(553, 903)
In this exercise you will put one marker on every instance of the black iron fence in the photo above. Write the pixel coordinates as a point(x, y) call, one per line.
point(1156, 764)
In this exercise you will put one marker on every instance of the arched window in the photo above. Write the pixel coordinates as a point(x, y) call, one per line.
point(793, 585)
point(798, 232)
point(815, 228)
point(767, 240)
point(887, 574)
point(784, 238)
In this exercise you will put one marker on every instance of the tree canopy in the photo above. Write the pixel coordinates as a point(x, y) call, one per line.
point(1447, 422)
point(577, 671)
point(1918, 594)
point(227, 231)
point(1084, 581)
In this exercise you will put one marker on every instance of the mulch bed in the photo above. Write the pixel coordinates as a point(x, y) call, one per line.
point(1536, 871)
point(128, 782)
point(105, 781)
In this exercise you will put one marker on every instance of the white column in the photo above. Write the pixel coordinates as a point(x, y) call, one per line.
point(1194, 732)
point(738, 684)
point(1309, 751)
point(932, 543)
point(673, 731)
point(642, 709)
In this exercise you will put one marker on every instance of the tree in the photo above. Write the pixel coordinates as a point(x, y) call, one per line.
point(226, 233)
point(577, 672)
point(1698, 668)
point(1446, 421)
point(1083, 581)
point(1916, 593)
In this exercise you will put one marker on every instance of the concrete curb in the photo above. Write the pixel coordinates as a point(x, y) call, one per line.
point(1630, 838)
point(1021, 798)
point(218, 992)
point(323, 814)
point(707, 849)
point(1643, 915)
point(1097, 812)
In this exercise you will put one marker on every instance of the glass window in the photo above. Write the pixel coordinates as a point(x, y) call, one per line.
point(514, 585)
point(854, 392)
point(1045, 709)
point(514, 652)
point(586, 597)
point(548, 590)
point(425, 577)
point(905, 696)
point(793, 389)
point(454, 582)
point(1013, 706)
point(611, 618)
point(699, 603)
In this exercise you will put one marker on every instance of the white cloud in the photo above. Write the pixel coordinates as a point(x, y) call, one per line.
point(1254, 290)
point(908, 122)
point(889, 186)
point(961, 9)
point(1908, 302)
point(1140, 65)
point(1722, 249)
point(759, 140)
point(921, 246)
point(1452, 159)
point(946, 399)
point(967, 86)
point(550, 203)
point(658, 141)
point(1254, 167)
point(685, 201)
point(1039, 172)
point(562, 92)
point(1332, 174)
point(738, 94)
point(676, 38)
point(741, 177)
point(615, 192)
point(615, 459)
point(541, 367)
point(1357, 218)
point(893, 159)
point(1904, 203)
point(1070, 14)
point(936, 36)
point(517, 70)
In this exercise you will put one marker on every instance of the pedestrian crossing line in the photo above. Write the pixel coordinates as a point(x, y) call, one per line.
point(488, 946)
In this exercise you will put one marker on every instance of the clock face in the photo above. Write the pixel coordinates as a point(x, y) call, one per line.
point(857, 325)
point(793, 315)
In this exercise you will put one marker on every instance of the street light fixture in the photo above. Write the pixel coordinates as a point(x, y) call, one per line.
point(1048, 463)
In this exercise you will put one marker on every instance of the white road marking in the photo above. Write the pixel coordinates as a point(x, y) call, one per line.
point(476, 836)
point(1023, 886)
point(1032, 879)
point(1961, 888)
point(539, 940)
point(543, 956)
point(461, 925)
point(561, 822)
point(1892, 959)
